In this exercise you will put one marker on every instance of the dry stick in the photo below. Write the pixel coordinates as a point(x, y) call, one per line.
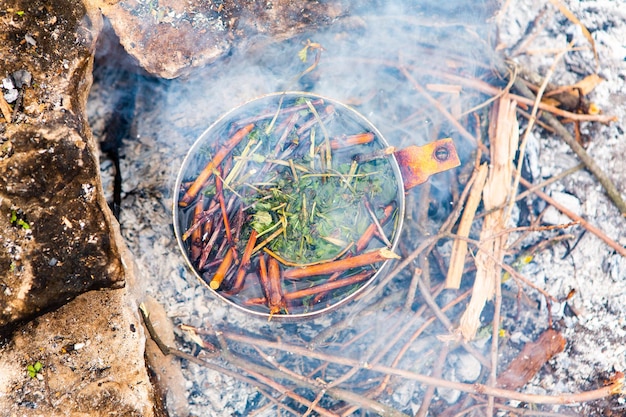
point(615, 387)
point(503, 138)
point(430, 391)
point(340, 394)
point(506, 267)
point(495, 337)
point(522, 146)
point(549, 181)
point(487, 88)
point(438, 312)
point(589, 162)
point(263, 375)
point(409, 343)
point(206, 173)
point(441, 109)
point(459, 247)
point(584, 223)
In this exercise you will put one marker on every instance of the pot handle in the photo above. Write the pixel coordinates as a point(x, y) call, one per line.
point(418, 163)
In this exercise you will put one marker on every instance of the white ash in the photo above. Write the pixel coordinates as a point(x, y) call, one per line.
point(165, 129)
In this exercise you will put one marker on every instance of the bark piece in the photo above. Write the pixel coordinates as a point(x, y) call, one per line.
point(530, 360)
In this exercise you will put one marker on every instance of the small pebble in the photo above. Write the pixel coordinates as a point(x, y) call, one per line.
point(553, 216)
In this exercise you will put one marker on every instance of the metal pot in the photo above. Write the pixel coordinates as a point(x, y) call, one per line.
point(334, 122)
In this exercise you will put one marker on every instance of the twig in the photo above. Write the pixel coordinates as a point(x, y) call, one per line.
point(529, 128)
point(206, 173)
point(459, 247)
point(589, 162)
point(614, 388)
point(440, 107)
point(438, 312)
point(430, 391)
point(584, 223)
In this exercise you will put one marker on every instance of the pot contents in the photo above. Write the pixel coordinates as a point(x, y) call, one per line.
point(289, 205)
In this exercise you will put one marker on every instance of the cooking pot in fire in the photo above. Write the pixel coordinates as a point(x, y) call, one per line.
point(292, 204)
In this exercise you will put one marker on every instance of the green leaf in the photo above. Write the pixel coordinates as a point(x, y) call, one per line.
point(262, 220)
point(38, 366)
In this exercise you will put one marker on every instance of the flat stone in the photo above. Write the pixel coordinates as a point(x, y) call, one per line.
point(91, 352)
point(169, 38)
point(55, 239)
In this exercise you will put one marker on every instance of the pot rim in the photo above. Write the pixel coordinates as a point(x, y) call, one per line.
point(367, 285)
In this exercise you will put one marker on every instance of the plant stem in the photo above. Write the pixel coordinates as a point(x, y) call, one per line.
point(206, 173)
point(367, 258)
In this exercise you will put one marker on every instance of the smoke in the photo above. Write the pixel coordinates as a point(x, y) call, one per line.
point(361, 64)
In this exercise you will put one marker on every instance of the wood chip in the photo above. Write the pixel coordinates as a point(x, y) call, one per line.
point(530, 360)
point(5, 109)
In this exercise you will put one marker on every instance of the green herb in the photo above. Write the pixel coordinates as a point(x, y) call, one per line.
point(302, 192)
point(34, 369)
point(17, 220)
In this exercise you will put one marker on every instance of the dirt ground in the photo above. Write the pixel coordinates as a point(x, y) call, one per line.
point(585, 277)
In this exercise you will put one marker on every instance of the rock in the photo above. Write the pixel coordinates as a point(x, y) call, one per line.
point(554, 217)
point(91, 352)
point(169, 38)
point(55, 239)
point(65, 350)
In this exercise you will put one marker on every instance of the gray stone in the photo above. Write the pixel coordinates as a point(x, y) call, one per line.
point(170, 38)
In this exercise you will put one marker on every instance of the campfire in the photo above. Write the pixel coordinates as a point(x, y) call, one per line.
point(350, 213)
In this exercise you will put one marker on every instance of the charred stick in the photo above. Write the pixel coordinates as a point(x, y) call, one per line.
point(222, 270)
point(352, 140)
point(213, 164)
point(275, 297)
point(196, 235)
point(363, 259)
point(367, 236)
point(245, 263)
point(200, 220)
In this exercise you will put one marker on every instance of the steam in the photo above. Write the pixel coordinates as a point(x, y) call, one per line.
point(360, 66)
